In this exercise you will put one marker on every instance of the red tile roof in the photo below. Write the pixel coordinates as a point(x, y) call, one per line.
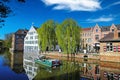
point(21, 31)
point(86, 29)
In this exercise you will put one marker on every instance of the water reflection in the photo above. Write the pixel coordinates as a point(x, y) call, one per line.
point(6, 73)
point(90, 70)
point(68, 71)
point(30, 68)
point(16, 63)
point(110, 71)
point(72, 69)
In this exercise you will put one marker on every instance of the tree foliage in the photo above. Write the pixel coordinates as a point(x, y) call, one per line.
point(8, 40)
point(47, 37)
point(68, 36)
point(5, 10)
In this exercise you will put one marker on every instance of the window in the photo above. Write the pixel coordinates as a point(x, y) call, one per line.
point(89, 40)
point(97, 70)
point(36, 42)
point(104, 35)
point(31, 37)
point(112, 30)
point(35, 70)
point(86, 40)
point(26, 37)
point(31, 33)
point(83, 40)
point(96, 30)
point(97, 37)
point(90, 34)
point(109, 47)
point(30, 68)
point(119, 35)
point(22, 36)
point(36, 37)
point(17, 36)
point(85, 34)
point(22, 32)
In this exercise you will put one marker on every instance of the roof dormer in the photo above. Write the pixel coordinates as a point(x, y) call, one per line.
point(112, 28)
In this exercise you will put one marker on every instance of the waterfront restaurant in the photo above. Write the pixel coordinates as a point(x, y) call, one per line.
point(110, 47)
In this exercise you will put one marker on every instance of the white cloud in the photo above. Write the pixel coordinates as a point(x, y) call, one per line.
point(74, 5)
point(113, 4)
point(101, 19)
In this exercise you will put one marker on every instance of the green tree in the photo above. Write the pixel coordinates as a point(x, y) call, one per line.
point(47, 36)
point(8, 40)
point(5, 10)
point(68, 36)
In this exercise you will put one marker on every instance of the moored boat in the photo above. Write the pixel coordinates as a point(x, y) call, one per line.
point(48, 62)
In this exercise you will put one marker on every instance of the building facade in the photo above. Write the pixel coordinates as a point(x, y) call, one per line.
point(91, 36)
point(18, 40)
point(86, 37)
point(31, 46)
point(111, 42)
point(91, 42)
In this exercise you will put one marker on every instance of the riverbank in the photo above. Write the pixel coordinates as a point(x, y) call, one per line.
point(79, 55)
point(94, 56)
point(111, 57)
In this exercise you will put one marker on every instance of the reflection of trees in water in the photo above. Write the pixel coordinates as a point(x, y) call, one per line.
point(7, 57)
point(68, 71)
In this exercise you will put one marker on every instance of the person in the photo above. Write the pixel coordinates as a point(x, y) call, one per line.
point(59, 50)
point(84, 51)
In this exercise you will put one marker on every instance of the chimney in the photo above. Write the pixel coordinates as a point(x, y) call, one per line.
point(115, 33)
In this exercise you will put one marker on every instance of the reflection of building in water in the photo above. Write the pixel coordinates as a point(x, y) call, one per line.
point(110, 71)
point(31, 47)
point(91, 71)
point(30, 68)
point(17, 62)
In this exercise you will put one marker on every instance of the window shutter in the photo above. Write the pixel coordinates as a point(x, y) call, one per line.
point(114, 48)
point(104, 48)
point(119, 48)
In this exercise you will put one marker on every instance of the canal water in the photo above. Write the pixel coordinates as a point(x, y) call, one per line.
point(15, 67)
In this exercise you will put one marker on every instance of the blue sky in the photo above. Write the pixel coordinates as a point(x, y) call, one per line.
point(86, 12)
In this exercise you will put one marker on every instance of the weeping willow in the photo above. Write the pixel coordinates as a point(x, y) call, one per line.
point(47, 36)
point(68, 36)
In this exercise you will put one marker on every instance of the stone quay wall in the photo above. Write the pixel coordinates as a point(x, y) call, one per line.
point(110, 57)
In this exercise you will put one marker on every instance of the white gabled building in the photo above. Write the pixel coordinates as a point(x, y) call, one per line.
point(31, 46)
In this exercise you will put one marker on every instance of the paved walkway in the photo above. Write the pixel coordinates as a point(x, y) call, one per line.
point(79, 55)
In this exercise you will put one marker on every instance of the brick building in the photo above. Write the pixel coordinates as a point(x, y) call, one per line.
point(86, 38)
point(110, 46)
point(91, 36)
point(111, 42)
point(18, 40)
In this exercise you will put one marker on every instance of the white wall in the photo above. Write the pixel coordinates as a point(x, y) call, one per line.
point(31, 47)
